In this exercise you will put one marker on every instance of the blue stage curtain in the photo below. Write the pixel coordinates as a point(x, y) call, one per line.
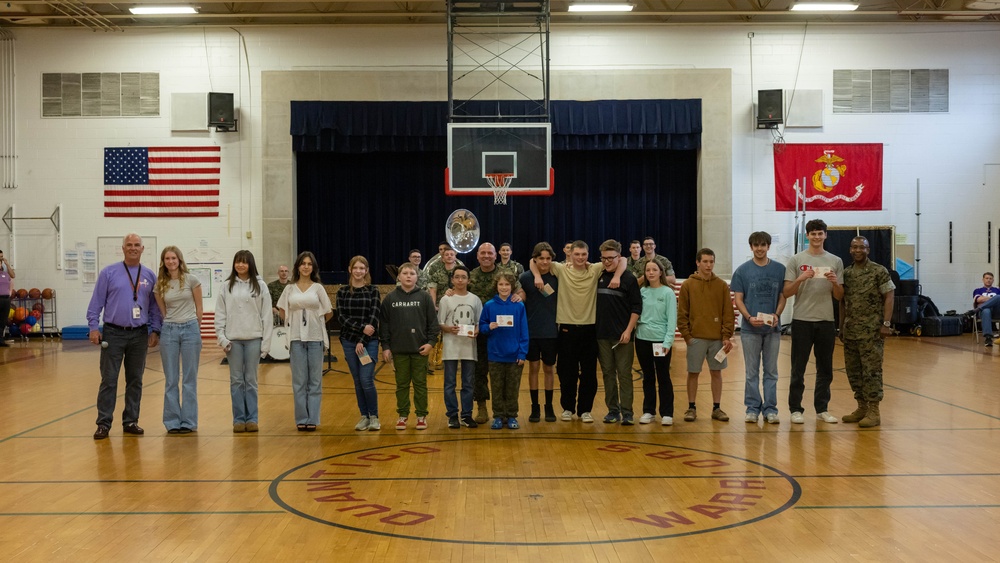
point(381, 205)
point(370, 180)
point(361, 127)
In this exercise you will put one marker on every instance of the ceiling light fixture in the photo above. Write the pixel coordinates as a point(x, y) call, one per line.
point(824, 6)
point(592, 7)
point(162, 10)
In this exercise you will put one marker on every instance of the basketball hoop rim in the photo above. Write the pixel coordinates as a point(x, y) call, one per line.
point(449, 191)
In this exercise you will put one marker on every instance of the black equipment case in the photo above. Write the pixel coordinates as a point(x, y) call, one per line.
point(941, 326)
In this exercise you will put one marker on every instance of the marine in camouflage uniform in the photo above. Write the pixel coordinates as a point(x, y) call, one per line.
point(638, 268)
point(867, 287)
point(483, 284)
point(422, 278)
point(512, 266)
point(276, 288)
point(439, 278)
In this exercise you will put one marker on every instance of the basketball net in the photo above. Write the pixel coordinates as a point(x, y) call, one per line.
point(499, 181)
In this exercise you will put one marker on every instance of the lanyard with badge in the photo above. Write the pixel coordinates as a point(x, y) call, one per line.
point(136, 309)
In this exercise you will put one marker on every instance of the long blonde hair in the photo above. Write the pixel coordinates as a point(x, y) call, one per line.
point(163, 278)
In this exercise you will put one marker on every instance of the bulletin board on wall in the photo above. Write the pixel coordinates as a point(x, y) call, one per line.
point(109, 251)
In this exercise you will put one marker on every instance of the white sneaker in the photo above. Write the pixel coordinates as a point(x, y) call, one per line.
point(797, 418)
point(362, 424)
point(373, 424)
point(667, 421)
point(751, 417)
point(567, 416)
point(772, 418)
point(646, 418)
point(585, 417)
point(827, 417)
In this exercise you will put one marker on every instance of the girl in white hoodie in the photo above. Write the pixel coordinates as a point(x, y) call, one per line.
point(243, 328)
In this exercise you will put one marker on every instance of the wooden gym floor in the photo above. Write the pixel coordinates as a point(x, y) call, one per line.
point(923, 487)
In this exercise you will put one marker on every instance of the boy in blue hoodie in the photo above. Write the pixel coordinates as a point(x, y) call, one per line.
point(505, 325)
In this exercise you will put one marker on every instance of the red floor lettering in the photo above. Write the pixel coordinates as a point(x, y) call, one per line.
point(661, 522)
point(331, 486)
point(667, 454)
point(398, 518)
point(376, 509)
point(340, 497)
point(733, 498)
point(617, 448)
point(713, 511)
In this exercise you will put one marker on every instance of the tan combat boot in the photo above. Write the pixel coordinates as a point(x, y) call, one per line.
point(873, 418)
point(858, 413)
point(483, 415)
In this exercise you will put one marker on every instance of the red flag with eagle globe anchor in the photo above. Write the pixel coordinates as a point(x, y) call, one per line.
point(838, 177)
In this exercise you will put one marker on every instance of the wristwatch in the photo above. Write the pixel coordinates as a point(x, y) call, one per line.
point(887, 324)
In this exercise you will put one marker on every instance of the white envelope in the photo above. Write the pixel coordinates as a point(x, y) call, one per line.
point(721, 355)
point(767, 318)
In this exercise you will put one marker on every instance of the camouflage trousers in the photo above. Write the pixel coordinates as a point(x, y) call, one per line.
point(863, 360)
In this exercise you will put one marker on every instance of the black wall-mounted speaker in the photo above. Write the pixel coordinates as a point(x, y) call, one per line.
point(220, 110)
point(770, 107)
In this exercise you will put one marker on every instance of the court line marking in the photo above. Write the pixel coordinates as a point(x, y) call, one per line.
point(819, 476)
point(796, 494)
point(897, 506)
point(121, 513)
point(943, 402)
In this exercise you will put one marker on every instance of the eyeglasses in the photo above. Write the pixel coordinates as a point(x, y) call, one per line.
point(608, 258)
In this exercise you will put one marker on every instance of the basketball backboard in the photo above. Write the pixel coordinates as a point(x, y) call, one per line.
point(478, 149)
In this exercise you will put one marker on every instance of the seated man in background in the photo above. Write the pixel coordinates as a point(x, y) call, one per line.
point(986, 300)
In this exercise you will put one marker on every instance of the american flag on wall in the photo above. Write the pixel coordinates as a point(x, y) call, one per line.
point(161, 181)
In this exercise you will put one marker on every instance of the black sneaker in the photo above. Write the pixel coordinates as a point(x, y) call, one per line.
point(453, 422)
point(989, 340)
point(627, 420)
point(536, 413)
point(467, 421)
point(550, 414)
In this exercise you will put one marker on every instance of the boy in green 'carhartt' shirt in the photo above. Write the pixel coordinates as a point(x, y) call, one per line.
point(408, 331)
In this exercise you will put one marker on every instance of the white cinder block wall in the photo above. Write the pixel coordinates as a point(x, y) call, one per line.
point(956, 156)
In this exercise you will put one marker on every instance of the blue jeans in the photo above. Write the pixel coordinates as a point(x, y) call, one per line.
point(306, 359)
point(180, 346)
point(123, 345)
point(759, 348)
point(244, 357)
point(989, 308)
point(468, 386)
point(363, 375)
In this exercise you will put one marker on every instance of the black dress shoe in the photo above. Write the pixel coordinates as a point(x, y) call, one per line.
point(174, 431)
point(184, 430)
point(102, 432)
point(133, 428)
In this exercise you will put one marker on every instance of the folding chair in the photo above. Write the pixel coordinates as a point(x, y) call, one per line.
point(977, 325)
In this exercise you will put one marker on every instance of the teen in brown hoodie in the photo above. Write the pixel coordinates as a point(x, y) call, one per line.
point(706, 321)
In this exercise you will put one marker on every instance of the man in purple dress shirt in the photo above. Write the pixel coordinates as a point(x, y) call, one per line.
point(132, 321)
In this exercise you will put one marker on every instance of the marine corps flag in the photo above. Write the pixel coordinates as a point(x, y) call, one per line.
point(837, 177)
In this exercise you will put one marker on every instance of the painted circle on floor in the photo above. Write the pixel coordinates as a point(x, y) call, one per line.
point(534, 491)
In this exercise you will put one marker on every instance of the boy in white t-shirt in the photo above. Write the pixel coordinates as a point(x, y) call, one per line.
point(458, 315)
